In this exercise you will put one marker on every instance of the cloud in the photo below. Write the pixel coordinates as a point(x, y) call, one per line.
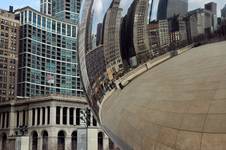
point(98, 5)
point(194, 4)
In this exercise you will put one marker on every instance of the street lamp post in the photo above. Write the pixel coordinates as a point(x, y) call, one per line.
point(86, 120)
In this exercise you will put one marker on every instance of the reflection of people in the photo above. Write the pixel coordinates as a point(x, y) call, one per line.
point(146, 65)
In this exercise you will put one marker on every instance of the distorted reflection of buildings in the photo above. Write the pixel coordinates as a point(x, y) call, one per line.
point(158, 32)
point(134, 33)
point(223, 12)
point(153, 36)
point(212, 8)
point(170, 8)
point(111, 39)
point(200, 24)
point(177, 30)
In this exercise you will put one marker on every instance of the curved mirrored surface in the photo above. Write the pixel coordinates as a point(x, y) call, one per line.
point(116, 36)
point(113, 38)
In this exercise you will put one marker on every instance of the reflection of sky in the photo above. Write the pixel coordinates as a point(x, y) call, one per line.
point(125, 4)
point(99, 9)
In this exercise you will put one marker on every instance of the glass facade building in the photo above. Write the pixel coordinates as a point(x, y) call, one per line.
point(169, 8)
point(48, 62)
point(66, 10)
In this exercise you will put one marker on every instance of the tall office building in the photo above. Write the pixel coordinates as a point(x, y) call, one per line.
point(111, 38)
point(66, 10)
point(48, 56)
point(223, 12)
point(134, 36)
point(46, 7)
point(212, 8)
point(169, 8)
point(9, 32)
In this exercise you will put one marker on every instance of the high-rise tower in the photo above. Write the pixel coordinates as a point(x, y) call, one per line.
point(169, 8)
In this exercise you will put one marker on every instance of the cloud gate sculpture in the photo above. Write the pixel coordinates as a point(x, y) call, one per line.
point(141, 100)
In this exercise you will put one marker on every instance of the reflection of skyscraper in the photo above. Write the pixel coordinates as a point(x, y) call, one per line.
point(212, 7)
point(223, 12)
point(112, 37)
point(99, 35)
point(169, 8)
point(136, 37)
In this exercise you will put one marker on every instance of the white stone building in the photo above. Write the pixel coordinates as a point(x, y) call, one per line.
point(50, 123)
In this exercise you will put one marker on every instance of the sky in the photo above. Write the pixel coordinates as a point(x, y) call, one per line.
point(193, 4)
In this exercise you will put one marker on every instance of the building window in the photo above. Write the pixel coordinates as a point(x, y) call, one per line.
point(39, 20)
point(74, 31)
point(65, 115)
point(48, 117)
point(17, 118)
point(78, 116)
point(61, 141)
point(58, 115)
point(34, 140)
point(24, 117)
point(38, 117)
point(3, 120)
point(45, 140)
point(34, 19)
point(43, 22)
point(100, 141)
point(33, 116)
point(4, 140)
point(74, 140)
point(63, 29)
point(71, 116)
point(43, 116)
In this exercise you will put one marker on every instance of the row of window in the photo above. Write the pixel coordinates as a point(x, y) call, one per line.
point(47, 23)
point(61, 144)
point(29, 90)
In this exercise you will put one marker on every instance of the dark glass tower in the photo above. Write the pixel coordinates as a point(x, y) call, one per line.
point(169, 8)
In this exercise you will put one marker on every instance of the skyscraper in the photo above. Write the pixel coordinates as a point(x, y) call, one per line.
point(9, 45)
point(48, 56)
point(66, 10)
point(211, 7)
point(169, 8)
point(223, 12)
point(111, 37)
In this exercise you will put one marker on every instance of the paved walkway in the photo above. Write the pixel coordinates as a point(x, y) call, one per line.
point(178, 105)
